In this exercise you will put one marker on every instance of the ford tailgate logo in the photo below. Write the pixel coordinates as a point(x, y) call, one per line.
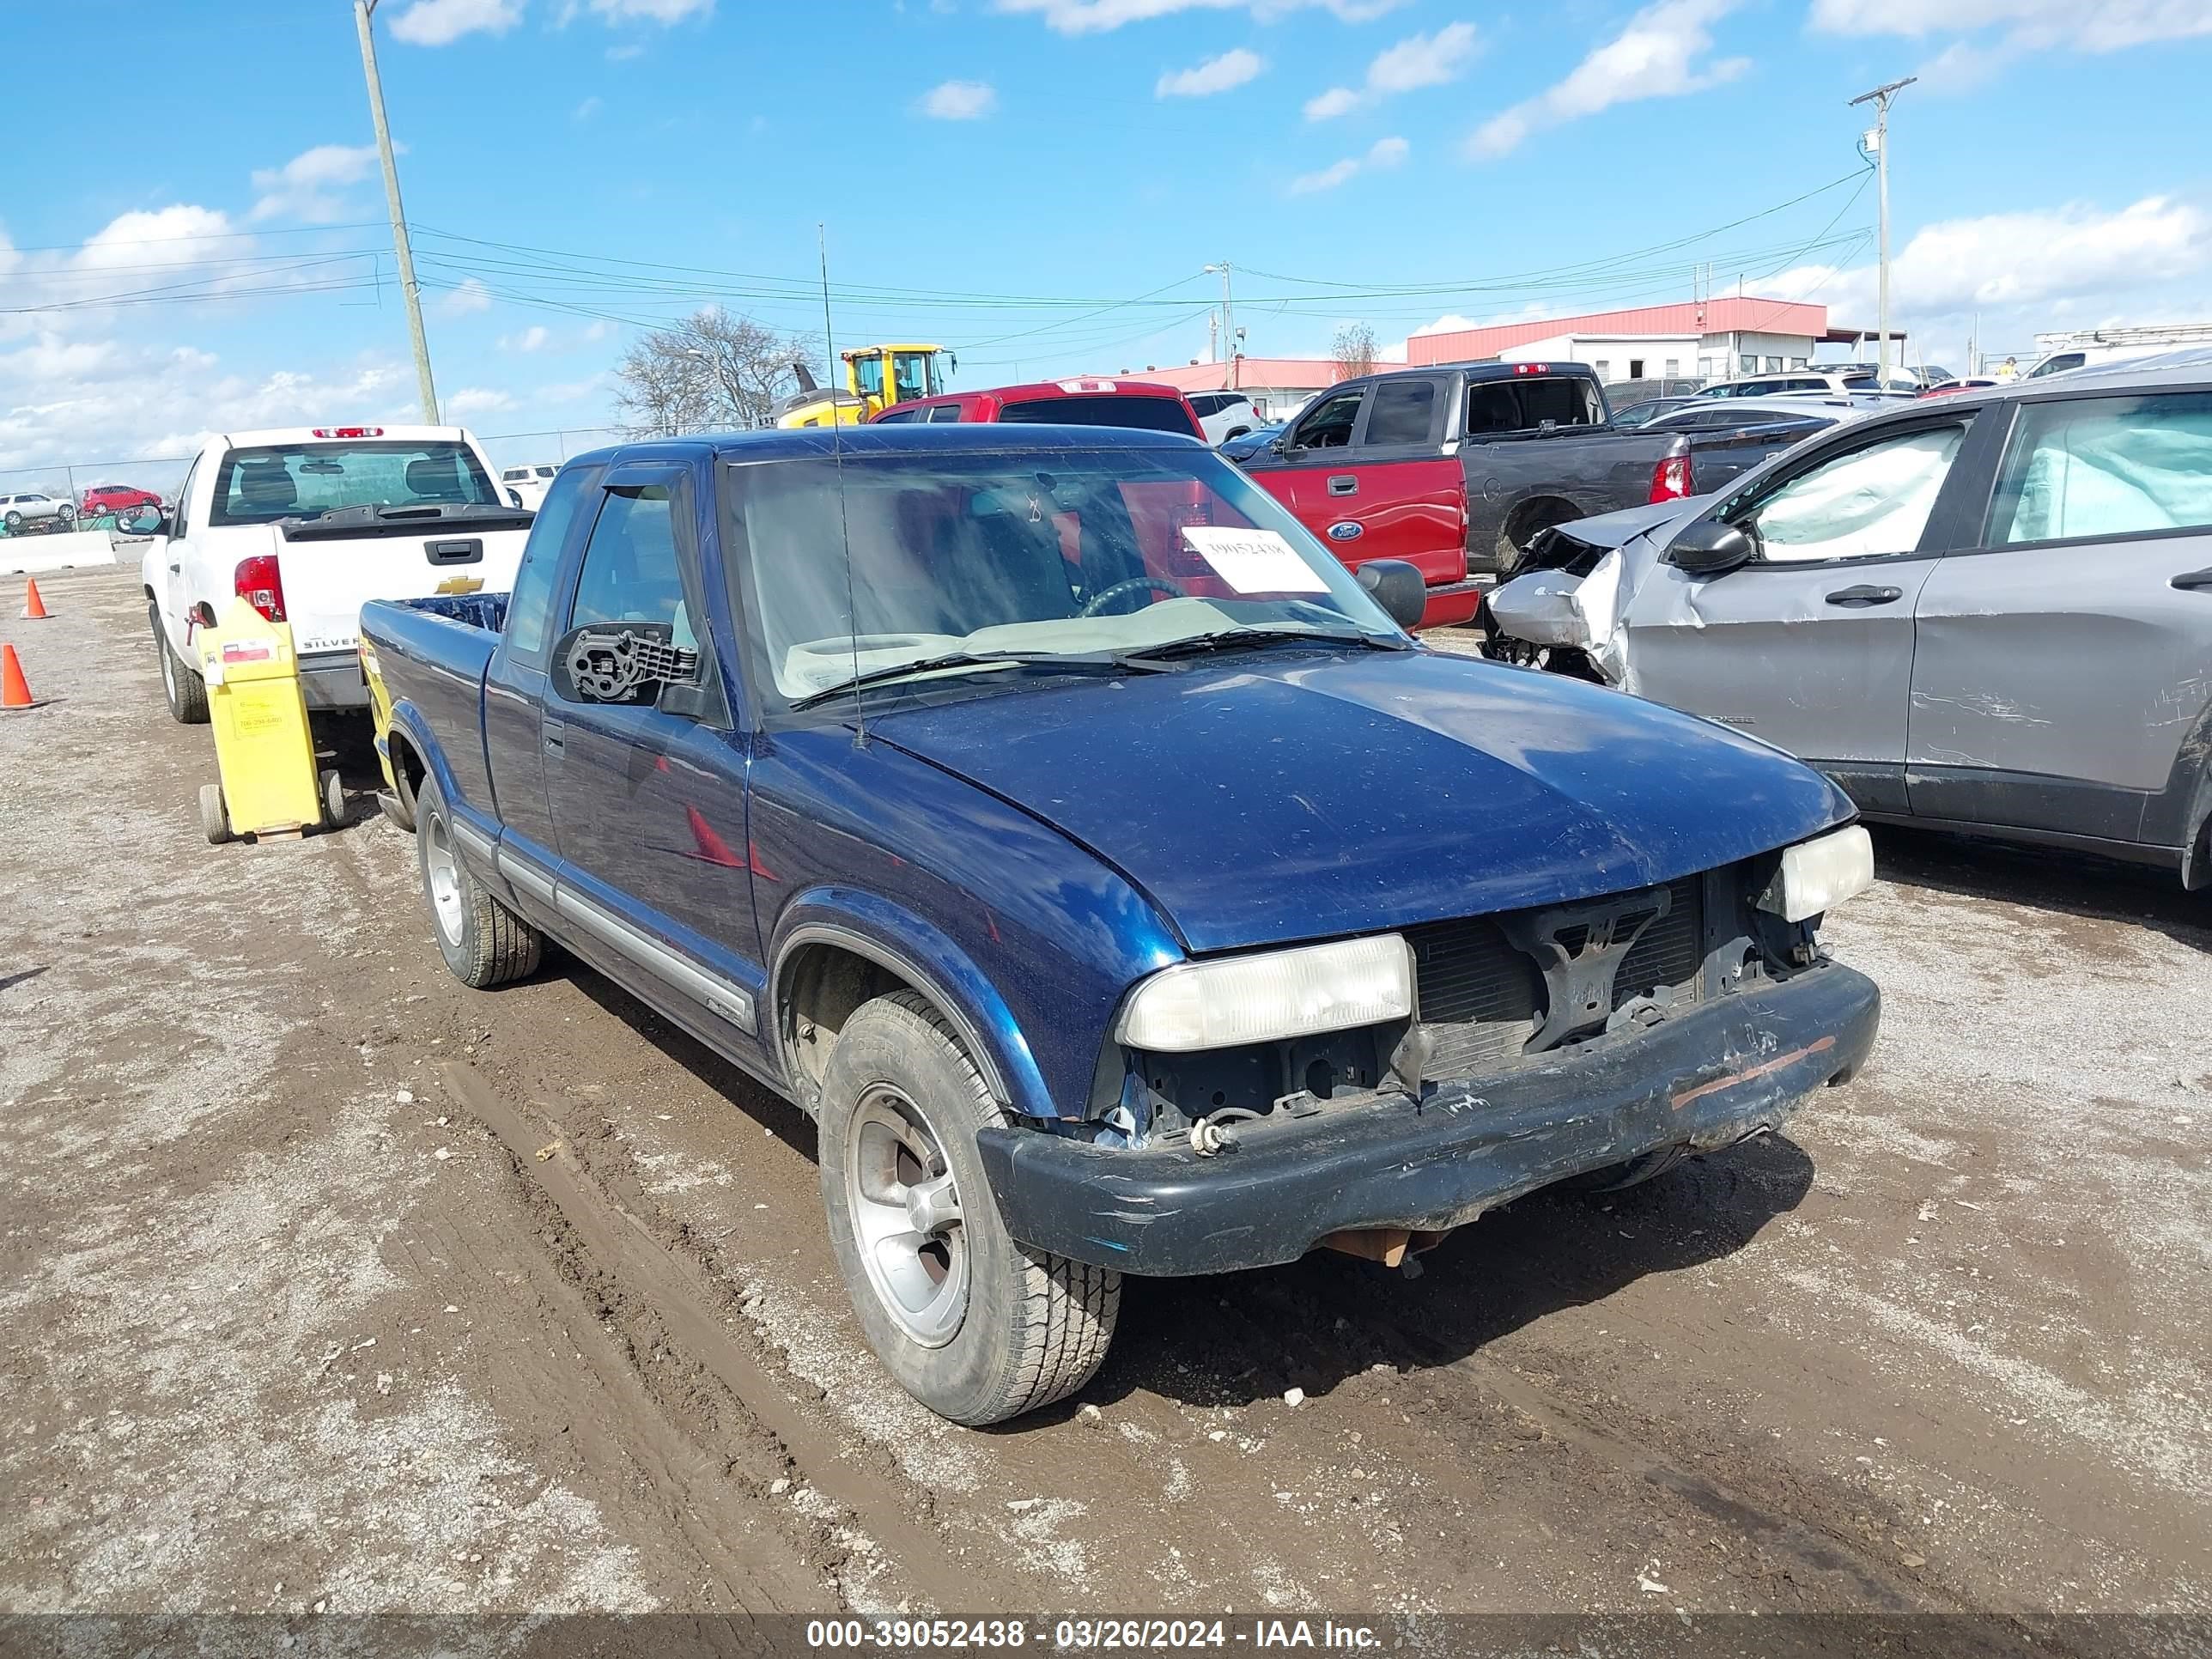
point(1345, 530)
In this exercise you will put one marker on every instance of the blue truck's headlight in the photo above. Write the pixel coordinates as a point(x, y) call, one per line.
point(1818, 875)
point(1275, 994)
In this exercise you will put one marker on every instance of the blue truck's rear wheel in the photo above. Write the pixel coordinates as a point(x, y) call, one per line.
point(976, 1327)
point(483, 942)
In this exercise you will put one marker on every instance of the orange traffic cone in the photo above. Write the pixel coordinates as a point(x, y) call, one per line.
point(35, 607)
point(15, 689)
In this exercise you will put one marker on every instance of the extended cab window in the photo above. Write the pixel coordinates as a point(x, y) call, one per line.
point(284, 481)
point(1866, 503)
point(1404, 412)
point(531, 602)
point(1329, 425)
point(2106, 467)
point(1523, 405)
point(629, 572)
point(943, 412)
point(1145, 414)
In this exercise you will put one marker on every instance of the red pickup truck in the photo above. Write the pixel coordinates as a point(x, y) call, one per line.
point(1456, 468)
point(1144, 405)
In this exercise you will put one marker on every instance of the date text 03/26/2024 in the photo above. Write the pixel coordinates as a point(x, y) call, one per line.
point(906, 1635)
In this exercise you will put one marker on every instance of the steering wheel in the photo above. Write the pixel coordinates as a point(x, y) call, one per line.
point(1096, 602)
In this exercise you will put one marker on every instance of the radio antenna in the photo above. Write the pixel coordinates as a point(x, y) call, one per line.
point(837, 459)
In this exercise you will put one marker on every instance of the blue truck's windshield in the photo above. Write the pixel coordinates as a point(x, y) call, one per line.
point(1083, 553)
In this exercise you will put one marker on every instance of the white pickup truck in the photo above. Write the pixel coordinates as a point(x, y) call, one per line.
point(309, 523)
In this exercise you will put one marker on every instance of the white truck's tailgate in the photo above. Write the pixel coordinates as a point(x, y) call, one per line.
point(331, 566)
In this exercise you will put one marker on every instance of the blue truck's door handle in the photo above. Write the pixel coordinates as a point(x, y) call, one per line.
point(1344, 483)
point(555, 738)
point(2188, 581)
point(1864, 595)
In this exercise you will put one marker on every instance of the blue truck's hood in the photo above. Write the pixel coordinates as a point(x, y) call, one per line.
point(1295, 795)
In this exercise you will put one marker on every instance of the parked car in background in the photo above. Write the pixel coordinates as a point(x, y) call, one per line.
point(1224, 415)
point(1968, 383)
point(1455, 468)
point(1849, 380)
point(309, 523)
point(1638, 415)
point(1144, 405)
point(1990, 612)
point(527, 485)
point(1178, 914)
point(32, 507)
point(1731, 437)
point(1626, 394)
point(117, 500)
point(1244, 448)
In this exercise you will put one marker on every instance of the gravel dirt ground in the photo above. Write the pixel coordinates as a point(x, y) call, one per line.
point(328, 1284)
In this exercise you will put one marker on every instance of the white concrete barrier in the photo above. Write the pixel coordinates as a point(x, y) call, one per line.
point(29, 555)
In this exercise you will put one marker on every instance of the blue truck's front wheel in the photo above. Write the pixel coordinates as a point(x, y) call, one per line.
point(976, 1327)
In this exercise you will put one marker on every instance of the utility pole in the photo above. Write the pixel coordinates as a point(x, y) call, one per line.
point(1879, 98)
point(409, 289)
point(1228, 313)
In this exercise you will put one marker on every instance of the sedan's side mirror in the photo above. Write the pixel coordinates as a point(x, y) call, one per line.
point(1398, 588)
point(1709, 547)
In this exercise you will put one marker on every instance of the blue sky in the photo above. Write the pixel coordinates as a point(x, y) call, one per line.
point(1038, 183)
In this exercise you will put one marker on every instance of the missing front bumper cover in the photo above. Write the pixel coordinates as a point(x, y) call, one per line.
point(1704, 1078)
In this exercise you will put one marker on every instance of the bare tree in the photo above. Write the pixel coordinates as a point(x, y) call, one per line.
point(712, 371)
point(1355, 349)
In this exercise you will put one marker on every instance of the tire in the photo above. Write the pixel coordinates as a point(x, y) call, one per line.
point(215, 816)
point(483, 942)
point(68, 514)
point(333, 800)
point(14, 521)
point(1517, 532)
point(182, 689)
point(1012, 1329)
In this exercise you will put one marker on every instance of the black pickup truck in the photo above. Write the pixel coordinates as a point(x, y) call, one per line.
point(1455, 468)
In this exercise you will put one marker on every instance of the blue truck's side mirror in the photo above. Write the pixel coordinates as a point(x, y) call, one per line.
point(1397, 587)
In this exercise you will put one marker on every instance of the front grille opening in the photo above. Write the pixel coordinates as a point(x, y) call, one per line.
point(1670, 951)
point(1482, 998)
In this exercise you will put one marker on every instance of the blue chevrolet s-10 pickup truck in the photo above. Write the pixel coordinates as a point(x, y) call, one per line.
point(1115, 882)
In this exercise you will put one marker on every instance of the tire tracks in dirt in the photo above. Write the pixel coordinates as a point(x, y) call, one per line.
point(637, 1271)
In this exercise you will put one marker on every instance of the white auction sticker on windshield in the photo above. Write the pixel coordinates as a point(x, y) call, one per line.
point(1253, 561)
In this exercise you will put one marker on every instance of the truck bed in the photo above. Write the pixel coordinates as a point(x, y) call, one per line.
point(433, 652)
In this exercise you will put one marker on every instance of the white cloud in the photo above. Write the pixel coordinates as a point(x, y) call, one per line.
point(1232, 68)
point(532, 338)
point(623, 54)
point(959, 100)
point(63, 401)
point(470, 297)
point(1416, 61)
point(2037, 258)
point(588, 108)
point(474, 400)
point(2106, 25)
point(1655, 56)
point(180, 234)
point(2015, 274)
point(1096, 16)
point(650, 11)
point(301, 188)
point(441, 23)
point(1381, 153)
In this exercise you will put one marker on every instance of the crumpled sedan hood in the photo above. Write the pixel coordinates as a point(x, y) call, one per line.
point(1284, 795)
point(1606, 531)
